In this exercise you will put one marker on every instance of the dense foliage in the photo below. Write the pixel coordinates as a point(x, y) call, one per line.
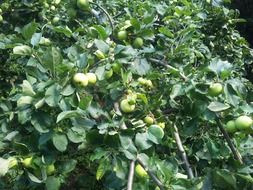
point(163, 70)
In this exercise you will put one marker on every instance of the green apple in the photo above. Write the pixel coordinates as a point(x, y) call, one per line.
point(140, 172)
point(116, 67)
point(142, 81)
point(126, 107)
point(27, 162)
point(149, 120)
point(138, 42)
point(108, 74)
point(231, 127)
point(122, 35)
point(161, 124)
point(83, 4)
point(55, 20)
point(243, 122)
point(52, 8)
point(92, 78)
point(1, 18)
point(215, 89)
point(57, 2)
point(80, 79)
point(149, 83)
point(50, 169)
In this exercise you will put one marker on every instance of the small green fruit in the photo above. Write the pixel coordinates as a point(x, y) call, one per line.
point(126, 107)
point(92, 78)
point(108, 74)
point(138, 42)
point(230, 126)
point(243, 122)
point(142, 81)
point(1, 18)
point(83, 4)
point(80, 79)
point(162, 125)
point(140, 172)
point(27, 162)
point(116, 67)
point(149, 120)
point(215, 89)
point(52, 8)
point(55, 20)
point(122, 35)
point(50, 169)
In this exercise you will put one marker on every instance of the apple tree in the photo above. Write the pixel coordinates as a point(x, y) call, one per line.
point(119, 94)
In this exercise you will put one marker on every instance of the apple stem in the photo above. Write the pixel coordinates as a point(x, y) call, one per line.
point(183, 153)
point(131, 176)
point(153, 176)
point(160, 62)
point(106, 13)
point(235, 152)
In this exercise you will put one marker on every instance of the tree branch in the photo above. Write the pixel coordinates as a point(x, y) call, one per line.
point(155, 179)
point(106, 13)
point(131, 176)
point(160, 62)
point(235, 152)
point(183, 153)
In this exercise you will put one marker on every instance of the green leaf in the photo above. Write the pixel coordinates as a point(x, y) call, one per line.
point(85, 102)
point(140, 67)
point(68, 90)
point(33, 178)
point(141, 140)
point(217, 106)
point(22, 50)
point(60, 142)
point(64, 30)
point(102, 168)
point(69, 114)
point(52, 95)
point(29, 29)
point(51, 58)
point(36, 39)
point(102, 46)
point(67, 166)
point(27, 88)
point(53, 183)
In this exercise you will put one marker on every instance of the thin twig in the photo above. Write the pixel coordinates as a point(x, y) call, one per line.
point(160, 62)
point(153, 176)
point(118, 112)
point(235, 152)
point(183, 153)
point(131, 176)
point(106, 13)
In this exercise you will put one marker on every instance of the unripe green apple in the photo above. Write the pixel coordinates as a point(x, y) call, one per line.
point(108, 74)
point(50, 169)
point(215, 89)
point(52, 8)
point(126, 107)
point(83, 4)
point(27, 162)
point(1, 18)
point(138, 42)
point(162, 125)
point(122, 35)
point(149, 83)
point(116, 67)
point(243, 122)
point(149, 120)
point(57, 2)
point(55, 20)
point(142, 81)
point(80, 79)
point(231, 127)
point(92, 78)
point(140, 172)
